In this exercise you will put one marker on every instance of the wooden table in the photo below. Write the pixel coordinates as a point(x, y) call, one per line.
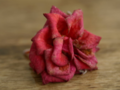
point(21, 19)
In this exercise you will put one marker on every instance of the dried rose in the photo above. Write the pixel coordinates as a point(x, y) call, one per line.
point(63, 47)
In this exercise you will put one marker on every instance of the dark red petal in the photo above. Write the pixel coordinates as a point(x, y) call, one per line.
point(80, 65)
point(68, 47)
point(58, 57)
point(88, 40)
point(85, 63)
point(53, 69)
point(37, 61)
point(70, 75)
point(46, 78)
point(83, 55)
point(58, 11)
point(57, 24)
point(71, 48)
point(42, 40)
point(65, 47)
point(75, 24)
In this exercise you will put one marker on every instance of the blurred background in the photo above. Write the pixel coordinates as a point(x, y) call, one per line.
point(21, 19)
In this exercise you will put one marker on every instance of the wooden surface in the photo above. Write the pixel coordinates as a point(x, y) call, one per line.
point(21, 19)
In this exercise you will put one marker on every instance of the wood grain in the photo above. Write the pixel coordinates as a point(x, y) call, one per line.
point(21, 19)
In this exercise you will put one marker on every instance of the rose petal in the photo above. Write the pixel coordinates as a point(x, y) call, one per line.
point(85, 64)
point(88, 40)
point(80, 65)
point(96, 49)
point(53, 69)
point(71, 48)
point(68, 47)
point(46, 78)
point(69, 76)
point(42, 40)
point(57, 57)
point(37, 62)
point(82, 54)
point(75, 23)
point(57, 23)
point(65, 47)
point(58, 11)
point(95, 68)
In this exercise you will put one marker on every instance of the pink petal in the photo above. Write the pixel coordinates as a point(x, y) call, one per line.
point(71, 48)
point(95, 68)
point(53, 69)
point(65, 47)
point(46, 78)
point(68, 47)
point(96, 49)
point(57, 24)
point(75, 23)
point(69, 76)
point(85, 63)
point(42, 40)
point(58, 11)
point(80, 65)
point(83, 55)
point(57, 57)
point(37, 61)
point(88, 40)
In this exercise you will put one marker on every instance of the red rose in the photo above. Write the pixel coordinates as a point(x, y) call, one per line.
point(63, 47)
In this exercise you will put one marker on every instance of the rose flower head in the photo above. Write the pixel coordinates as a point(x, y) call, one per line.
point(63, 48)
